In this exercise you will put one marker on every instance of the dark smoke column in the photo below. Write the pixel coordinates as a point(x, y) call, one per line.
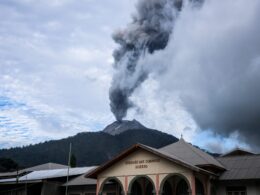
point(149, 31)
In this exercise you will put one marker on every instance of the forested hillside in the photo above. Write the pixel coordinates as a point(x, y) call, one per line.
point(89, 148)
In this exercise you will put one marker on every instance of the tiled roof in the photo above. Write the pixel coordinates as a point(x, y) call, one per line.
point(241, 167)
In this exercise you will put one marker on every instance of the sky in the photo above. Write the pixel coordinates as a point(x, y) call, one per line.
point(56, 68)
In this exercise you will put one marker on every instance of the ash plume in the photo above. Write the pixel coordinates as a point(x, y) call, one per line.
point(149, 31)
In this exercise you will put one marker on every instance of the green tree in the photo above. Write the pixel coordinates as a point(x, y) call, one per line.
point(73, 161)
point(7, 164)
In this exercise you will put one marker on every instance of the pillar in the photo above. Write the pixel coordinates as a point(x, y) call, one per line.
point(157, 185)
point(97, 187)
point(208, 186)
point(193, 184)
point(126, 185)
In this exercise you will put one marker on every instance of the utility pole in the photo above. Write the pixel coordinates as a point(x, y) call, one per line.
point(68, 170)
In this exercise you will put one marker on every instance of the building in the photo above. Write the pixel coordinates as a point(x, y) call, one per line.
point(242, 173)
point(178, 169)
point(81, 185)
point(46, 179)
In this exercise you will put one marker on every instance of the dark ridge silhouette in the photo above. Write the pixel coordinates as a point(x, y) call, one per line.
point(90, 148)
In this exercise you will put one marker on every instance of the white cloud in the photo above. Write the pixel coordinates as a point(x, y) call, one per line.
point(56, 63)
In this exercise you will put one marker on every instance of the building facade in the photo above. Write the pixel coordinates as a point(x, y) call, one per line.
point(177, 169)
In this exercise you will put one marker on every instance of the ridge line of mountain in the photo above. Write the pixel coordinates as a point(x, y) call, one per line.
point(90, 148)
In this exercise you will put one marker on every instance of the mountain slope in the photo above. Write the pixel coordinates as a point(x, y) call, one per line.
point(90, 148)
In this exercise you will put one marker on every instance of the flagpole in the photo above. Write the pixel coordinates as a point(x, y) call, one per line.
point(68, 172)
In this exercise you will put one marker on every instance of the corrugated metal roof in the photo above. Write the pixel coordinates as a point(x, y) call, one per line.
point(7, 174)
point(190, 154)
point(11, 180)
point(46, 166)
point(241, 167)
point(48, 174)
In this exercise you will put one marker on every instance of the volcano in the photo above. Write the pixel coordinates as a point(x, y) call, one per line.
point(118, 127)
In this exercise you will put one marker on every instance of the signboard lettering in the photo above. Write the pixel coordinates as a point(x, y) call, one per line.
point(142, 164)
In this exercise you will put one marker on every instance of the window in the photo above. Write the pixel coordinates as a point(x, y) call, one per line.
point(236, 190)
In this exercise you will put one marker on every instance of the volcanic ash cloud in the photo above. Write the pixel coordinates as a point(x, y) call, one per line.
point(149, 31)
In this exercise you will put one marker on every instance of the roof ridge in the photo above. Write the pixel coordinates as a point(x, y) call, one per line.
point(238, 149)
point(239, 156)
